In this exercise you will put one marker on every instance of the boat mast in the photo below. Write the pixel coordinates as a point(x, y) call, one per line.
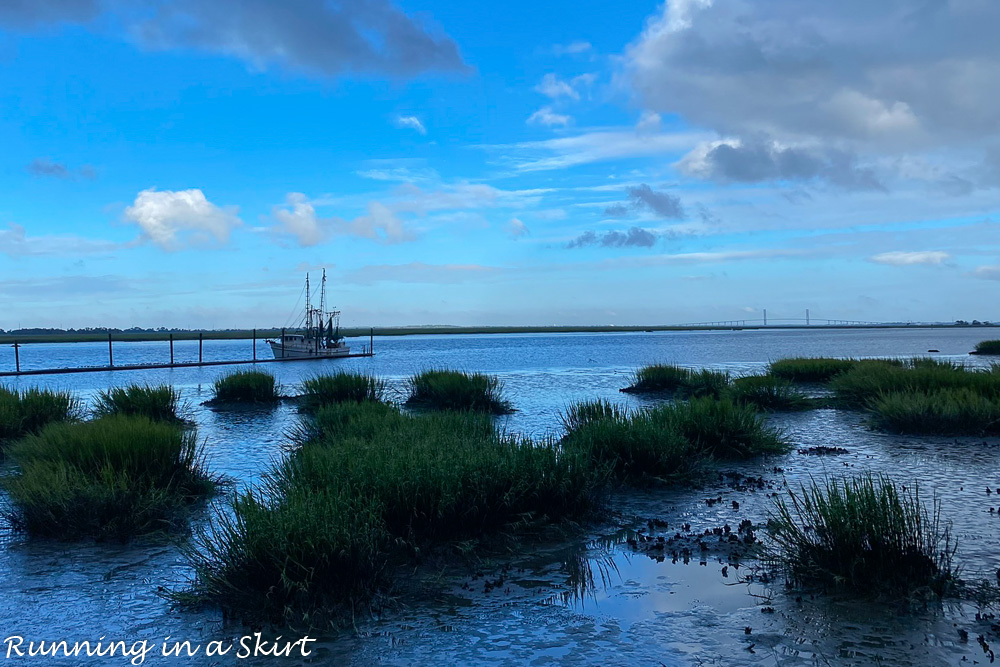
point(308, 306)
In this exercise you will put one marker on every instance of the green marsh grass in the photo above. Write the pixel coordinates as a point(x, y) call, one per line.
point(864, 534)
point(679, 382)
point(810, 369)
point(370, 486)
point(940, 412)
point(157, 403)
point(988, 347)
point(300, 555)
point(341, 387)
point(667, 441)
point(115, 477)
point(722, 429)
point(455, 390)
point(636, 446)
point(871, 379)
point(706, 384)
point(658, 378)
point(246, 386)
point(770, 393)
point(26, 412)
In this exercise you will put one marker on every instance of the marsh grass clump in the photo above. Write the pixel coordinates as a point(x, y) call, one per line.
point(636, 446)
point(341, 387)
point(246, 386)
point(299, 555)
point(874, 378)
point(679, 382)
point(585, 412)
point(115, 477)
point(768, 392)
point(455, 390)
point(721, 428)
point(26, 412)
point(810, 369)
point(865, 534)
point(367, 488)
point(658, 378)
point(706, 384)
point(940, 412)
point(988, 347)
point(667, 442)
point(157, 403)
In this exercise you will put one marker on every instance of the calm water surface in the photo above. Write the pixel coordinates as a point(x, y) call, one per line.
point(635, 610)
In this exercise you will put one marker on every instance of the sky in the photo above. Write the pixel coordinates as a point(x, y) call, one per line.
point(185, 163)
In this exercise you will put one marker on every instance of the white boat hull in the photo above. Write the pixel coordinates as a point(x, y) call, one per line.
point(293, 351)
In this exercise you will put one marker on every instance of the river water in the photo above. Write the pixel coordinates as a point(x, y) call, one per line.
point(587, 597)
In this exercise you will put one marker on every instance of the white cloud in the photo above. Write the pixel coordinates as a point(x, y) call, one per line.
point(553, 87)
point(411, 122)
point(172, 219)
point(516, 228)
point(298, 218)
point(549, 118)
point(900, 258)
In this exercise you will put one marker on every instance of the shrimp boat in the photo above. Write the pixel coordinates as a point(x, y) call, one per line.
point(318, 338)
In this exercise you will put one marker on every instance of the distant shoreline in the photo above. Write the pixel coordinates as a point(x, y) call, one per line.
point(246, 334)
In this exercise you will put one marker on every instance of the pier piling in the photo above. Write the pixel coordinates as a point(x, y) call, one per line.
point(111, 353)
point(201, 345)
point(171, 349)
point(17, 357)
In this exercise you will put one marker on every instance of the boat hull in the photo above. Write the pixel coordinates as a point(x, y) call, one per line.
point(288, 351)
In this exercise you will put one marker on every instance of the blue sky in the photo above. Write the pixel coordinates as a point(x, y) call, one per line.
point(185, 164)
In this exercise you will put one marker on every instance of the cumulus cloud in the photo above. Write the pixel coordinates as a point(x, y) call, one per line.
point(516, 228)
point(547, 117)
point(758, 159)
point(644, 198)
point(633, 237)
point(45, 167)
point(663, 204)
point(821, 79)
point(173, 219)
point(900, 258)
point(298, 218)
point(617, 211)
point(411, 122)
point(315, 36)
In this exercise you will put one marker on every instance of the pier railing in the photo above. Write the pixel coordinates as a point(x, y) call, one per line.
point(366, 351)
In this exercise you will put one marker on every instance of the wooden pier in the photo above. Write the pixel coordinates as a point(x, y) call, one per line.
point(366, 351)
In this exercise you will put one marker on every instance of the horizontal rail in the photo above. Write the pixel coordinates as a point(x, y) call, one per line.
point(192, 364)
